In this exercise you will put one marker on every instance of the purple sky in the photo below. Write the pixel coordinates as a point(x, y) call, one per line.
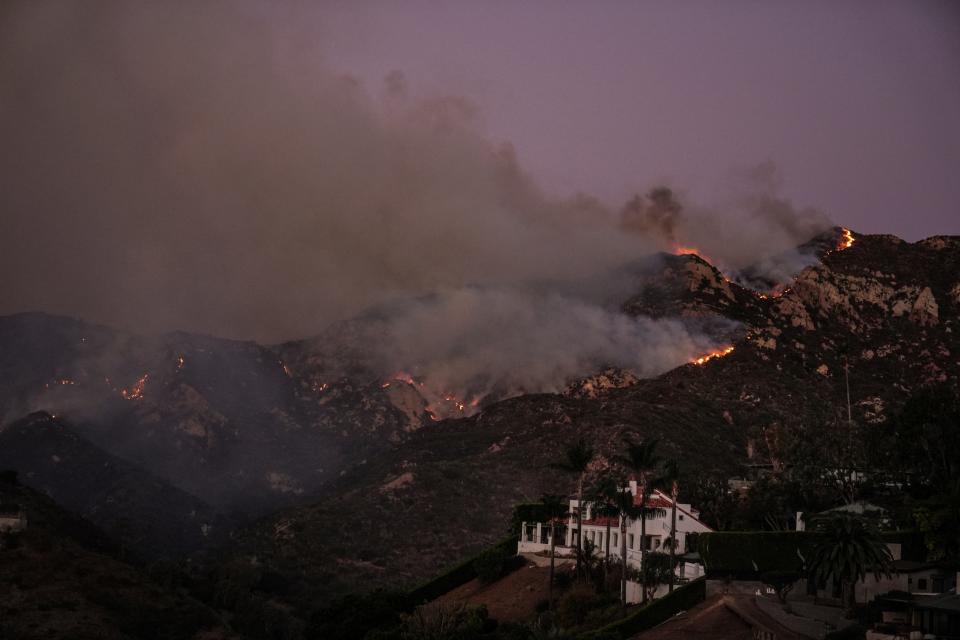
point(857, 103)
point(244, 168)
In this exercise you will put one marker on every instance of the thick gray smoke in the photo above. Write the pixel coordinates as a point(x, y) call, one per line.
point(474, 343)
point(199, 166)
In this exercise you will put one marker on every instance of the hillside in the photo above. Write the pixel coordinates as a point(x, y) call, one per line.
point(151, 518)
point(886, 307)
point(223, 420)
point(61, 579)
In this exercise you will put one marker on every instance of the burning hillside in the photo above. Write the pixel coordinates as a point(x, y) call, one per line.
point(719, 353)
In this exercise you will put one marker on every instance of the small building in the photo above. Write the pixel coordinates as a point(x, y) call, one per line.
point(12, 518)
point(909, 615)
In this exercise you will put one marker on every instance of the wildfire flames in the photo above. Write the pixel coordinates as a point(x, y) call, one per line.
point(403, 376)
point(439, 405)
point(136, 391)
point(846, 240)
point(685, 251)
point(713, 354)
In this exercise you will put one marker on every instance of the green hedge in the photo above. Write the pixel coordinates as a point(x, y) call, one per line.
point(457, 575)
point(682, 599)
point(911, 543)
point(744, 555)
point(527, 512)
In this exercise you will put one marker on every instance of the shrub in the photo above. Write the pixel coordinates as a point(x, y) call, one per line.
point(446, 621)
point(355, 615)
point(495, 562)
point(575, 605)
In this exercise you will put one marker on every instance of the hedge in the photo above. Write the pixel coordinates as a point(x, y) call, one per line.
point(527, 512)
point(744, 555)
point(457, 575)
point(682, 599)
point(912, 545)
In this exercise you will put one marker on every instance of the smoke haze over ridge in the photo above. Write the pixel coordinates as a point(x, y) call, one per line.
point(202, 168)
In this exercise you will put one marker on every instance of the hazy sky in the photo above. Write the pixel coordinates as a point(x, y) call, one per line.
point(857, 103)
point(262, 169)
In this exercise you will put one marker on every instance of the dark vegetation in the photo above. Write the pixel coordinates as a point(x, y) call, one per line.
point(63, 578)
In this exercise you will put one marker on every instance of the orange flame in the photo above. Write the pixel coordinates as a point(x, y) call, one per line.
point(685, 251)
point(713, 354)
point(846, 240)
point(136, 391)
point(403, 376)
point(180, 362)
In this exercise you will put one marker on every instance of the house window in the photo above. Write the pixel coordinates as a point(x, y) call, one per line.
point(680, 517)
point(615, 540)
point(922, 584)
point(630, 540)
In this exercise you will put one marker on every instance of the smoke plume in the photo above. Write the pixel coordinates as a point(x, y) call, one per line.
point(200, 166)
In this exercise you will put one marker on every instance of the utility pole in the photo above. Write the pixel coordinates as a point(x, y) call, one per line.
point(846, 376)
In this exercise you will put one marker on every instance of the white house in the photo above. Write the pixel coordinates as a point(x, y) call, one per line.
point(12, 518)
point(535, 536)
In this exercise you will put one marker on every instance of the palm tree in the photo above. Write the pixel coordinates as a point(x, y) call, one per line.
point(671, 477)
point(576, 459)
point(641, 458)
point(605, 495)
point(624, 502)
point(849, 547)
point(553, 507)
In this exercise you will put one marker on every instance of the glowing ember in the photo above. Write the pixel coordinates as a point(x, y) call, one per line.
point(403, 376)
point(713, 354)
point(60, 382)
point(776, 293)
point(449, 405)
point(846, 240)
point(180, 362)
point(136, 391)
point(320, 388)
point(286, 370)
